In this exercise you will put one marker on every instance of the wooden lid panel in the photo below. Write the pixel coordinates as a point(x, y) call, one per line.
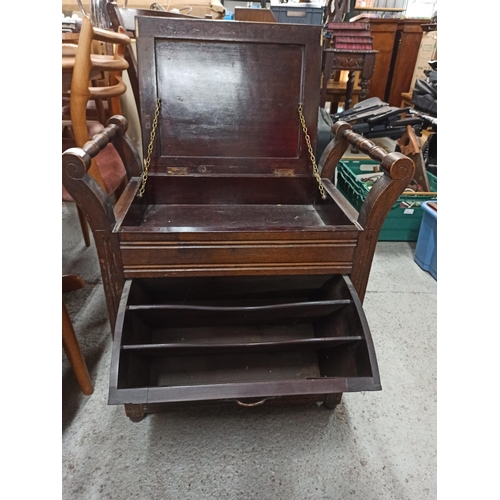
point(229, 94)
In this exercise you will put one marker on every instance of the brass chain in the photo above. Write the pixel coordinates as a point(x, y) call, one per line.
point(147, 161)
point(311, 153)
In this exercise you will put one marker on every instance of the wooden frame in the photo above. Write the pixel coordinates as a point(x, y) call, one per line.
point(234, 218)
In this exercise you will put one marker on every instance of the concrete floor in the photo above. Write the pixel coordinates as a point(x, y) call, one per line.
point(376, 445)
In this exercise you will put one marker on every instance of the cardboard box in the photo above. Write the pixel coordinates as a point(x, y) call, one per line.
point(364, 4)
point(427, 52)
point(197, 8)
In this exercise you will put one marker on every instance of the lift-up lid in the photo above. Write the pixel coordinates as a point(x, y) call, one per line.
point(229, 95)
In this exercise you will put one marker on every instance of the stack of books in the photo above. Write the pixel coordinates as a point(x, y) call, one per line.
point(350, 36)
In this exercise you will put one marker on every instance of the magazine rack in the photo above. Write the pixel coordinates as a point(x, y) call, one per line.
point(240, 272)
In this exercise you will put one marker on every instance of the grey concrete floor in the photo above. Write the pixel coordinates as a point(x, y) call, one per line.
point(376, 445)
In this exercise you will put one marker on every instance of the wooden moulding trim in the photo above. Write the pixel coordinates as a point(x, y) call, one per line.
point(176, 234)
point(236, 267)
point(293, 269)
point(242, 390)
point(210, 245)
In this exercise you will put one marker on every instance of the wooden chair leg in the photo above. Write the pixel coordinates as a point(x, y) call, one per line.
point(71, 282)
point(72, 350)
point(85, 227)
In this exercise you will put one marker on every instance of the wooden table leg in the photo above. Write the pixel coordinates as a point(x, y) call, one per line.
point(366, 74)
point(349, 90)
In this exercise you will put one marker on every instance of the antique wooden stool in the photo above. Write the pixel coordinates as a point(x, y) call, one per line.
point(234, 270)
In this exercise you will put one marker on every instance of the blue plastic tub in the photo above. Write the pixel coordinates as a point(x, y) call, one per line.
point(426, 249)
point(298, 13)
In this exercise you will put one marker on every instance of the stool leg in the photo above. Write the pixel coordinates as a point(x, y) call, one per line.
point(134, 412)
point(349, 90)
point(72, 350)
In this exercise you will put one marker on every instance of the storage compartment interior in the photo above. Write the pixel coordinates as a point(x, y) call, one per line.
point(229, 203)
point(215, 330)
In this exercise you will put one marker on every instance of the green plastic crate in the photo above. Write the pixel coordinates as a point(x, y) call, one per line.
point(405, 217)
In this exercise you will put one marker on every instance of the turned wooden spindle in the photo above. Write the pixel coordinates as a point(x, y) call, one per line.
point(101, 140)
point(365, 145)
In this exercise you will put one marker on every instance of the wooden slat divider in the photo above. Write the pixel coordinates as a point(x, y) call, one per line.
point(192, 348)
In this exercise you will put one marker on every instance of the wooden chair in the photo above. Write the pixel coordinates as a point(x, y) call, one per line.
point(80, 67)
point(124, 19)
point(71, 282)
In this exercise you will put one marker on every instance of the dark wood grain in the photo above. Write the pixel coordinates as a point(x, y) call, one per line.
point(361, 61)
point(254, 15)
point(276, 351)
point(232, 278)
point(384, 36)
point(407, 45)
point(246, 82)
point(397, 42)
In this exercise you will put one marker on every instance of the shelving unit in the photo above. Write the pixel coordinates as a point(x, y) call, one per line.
point(186, 339)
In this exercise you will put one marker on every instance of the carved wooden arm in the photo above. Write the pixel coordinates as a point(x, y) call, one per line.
point(96, 206)
point(398, 170)
point(76, 163)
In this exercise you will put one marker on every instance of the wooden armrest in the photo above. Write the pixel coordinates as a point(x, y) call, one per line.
point(398, 171)
point(77, 161)
point(396, 165)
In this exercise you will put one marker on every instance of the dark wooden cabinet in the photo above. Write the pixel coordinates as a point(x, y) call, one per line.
point(397, 42)
point(383, 32)
point(407, 44)
point(239, 275)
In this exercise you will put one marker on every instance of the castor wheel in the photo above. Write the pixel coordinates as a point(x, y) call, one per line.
point(332, 400)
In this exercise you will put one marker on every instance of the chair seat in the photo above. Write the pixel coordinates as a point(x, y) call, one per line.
point(109, 163)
